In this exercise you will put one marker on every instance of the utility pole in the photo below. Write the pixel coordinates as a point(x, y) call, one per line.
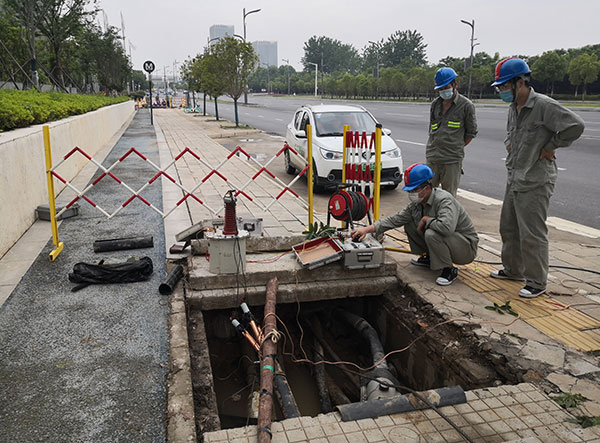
point(473, 44)
point(288, 72)
point(246, 84)
point(377, 48)
point(316, 75)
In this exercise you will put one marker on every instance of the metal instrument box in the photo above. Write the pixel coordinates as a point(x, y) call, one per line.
point(368, 253)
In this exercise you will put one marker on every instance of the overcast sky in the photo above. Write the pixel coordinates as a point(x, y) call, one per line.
point(169, 30)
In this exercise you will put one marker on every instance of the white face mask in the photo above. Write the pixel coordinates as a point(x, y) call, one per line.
point(414, 197)
point(446, 94)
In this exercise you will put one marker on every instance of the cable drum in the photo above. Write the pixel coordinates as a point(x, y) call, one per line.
point(348, 205)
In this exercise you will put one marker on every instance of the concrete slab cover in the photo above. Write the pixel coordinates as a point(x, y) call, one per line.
point(90, 365)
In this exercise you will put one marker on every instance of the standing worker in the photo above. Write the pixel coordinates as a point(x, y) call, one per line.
point(437, 226)
point(537, 125)
point(452, 126)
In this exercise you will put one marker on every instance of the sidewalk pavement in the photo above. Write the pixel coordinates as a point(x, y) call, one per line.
point(530, 354)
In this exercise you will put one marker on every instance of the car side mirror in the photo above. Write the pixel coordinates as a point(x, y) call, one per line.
point(387, 131)
point(301, 133)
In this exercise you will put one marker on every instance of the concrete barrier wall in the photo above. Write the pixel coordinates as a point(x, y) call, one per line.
point(23, 184)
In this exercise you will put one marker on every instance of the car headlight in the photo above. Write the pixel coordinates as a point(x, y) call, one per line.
point(330, 155)
point(395, 153)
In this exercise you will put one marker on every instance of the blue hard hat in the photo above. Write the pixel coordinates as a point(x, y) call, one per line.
point(415, 175)
point(510, 68)
point(444, 76)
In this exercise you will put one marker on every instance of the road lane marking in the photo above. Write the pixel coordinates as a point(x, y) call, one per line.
point(410, 143)
point(562, 169)
point(406, 115)
point(279, 119)
point(478, 198)
point(261, 116)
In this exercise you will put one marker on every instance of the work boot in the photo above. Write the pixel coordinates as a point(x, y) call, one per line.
point(530, 292)
point(502, 275)
point(447, 276)
point(422, 261)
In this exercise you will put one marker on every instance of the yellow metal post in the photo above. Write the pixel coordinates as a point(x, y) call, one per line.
point(377, 184)
point(310, 173)
point(52, 203)
point(344, 157)
point(346, 129)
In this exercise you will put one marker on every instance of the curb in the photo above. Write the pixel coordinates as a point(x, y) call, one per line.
point(181, 420)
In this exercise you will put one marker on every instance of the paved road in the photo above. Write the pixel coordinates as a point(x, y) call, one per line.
point(575, 197)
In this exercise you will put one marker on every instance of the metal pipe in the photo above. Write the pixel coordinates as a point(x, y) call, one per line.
point(402, 403)
point(337, 395)
point(118, 244)
point(265, 407)
point(167, 286)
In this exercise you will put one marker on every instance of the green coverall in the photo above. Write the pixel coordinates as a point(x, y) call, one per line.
point(446, 144)
point(542, 123)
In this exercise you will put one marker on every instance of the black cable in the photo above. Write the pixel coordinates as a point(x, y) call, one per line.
point(572, 268)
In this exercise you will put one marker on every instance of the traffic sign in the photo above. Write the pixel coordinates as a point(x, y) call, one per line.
point(148, 66)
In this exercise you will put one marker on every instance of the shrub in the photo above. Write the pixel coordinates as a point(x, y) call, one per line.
point(23, 108)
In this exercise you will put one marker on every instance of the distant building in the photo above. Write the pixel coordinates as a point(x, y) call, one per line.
point(267, 52)
point(220, 31)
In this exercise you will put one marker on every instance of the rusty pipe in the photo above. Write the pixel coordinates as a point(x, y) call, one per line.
point(267, 365)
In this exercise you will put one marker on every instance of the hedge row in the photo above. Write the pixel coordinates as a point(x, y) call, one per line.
point(24, 108)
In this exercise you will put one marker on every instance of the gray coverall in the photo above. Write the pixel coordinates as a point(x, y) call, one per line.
point(446, 144)
point(449, 235)
point(542, 123)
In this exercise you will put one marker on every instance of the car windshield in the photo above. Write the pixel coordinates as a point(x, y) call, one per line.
point(331, 124)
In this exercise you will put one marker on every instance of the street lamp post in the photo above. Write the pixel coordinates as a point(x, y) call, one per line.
point(376, 67)
point(316, 74)
point(268, 77)
point(288, 73)
point(245, 15)
point(473, 44)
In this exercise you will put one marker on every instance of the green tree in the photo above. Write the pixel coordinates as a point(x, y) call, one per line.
point(405, 49)
point(584, 69)
point(236, 60)
point(331, 55)
point(58, 21)
point(550, 67)
point(210, 76)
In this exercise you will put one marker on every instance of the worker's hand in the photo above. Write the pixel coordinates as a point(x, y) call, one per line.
point(548, 155)
point(508, 148)
point(421, 226)
point(362, 232)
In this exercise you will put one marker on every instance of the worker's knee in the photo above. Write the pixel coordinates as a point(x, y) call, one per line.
point(432, 236)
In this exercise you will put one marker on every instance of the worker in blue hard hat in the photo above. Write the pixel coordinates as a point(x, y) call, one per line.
point(452, 126)
point(537, 126)
point(437, 226)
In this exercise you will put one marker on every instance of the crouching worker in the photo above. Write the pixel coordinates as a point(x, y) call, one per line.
point(437, 226)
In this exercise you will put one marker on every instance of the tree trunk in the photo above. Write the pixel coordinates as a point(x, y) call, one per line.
point(552, 90)
point(584, 91)
point(204, 107)
point(216, 109)
point(576, 86)
point(237, 123)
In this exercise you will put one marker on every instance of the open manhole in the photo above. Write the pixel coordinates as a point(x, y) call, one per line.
point(430, 354)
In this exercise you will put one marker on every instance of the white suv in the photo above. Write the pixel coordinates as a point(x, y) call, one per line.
point(327, 123)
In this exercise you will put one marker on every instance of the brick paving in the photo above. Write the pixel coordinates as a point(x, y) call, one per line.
point(498, 414)
point(287, 216)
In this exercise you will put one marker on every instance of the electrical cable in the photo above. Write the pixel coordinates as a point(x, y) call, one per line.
point(416, 394)
point(572, 268)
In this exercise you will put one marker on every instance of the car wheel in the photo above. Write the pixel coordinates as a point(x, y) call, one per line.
point(289, 169)
point(317, 188)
